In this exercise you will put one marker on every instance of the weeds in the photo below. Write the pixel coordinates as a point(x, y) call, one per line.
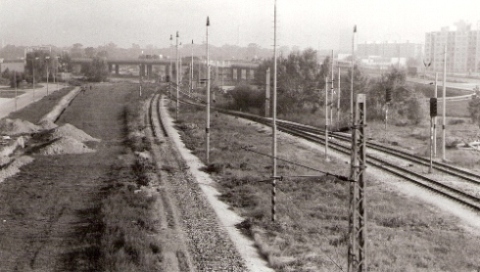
point(312, 218)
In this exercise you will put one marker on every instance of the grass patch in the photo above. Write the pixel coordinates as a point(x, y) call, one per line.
point(310, 235)
point(10, 94)
point(35, 111)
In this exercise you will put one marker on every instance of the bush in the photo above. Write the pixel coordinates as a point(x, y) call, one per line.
point(244, 97)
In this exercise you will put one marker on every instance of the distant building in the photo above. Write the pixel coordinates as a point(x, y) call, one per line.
point(463, 49)
point(12, 65)
point(390, 50)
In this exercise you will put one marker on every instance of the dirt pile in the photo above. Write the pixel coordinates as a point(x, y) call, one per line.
point(65, 145)
point(71, 131)
point(17, 126)
point(65, 139)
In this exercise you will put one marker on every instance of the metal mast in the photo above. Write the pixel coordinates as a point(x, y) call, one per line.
point(274, 113)
point(207, 128)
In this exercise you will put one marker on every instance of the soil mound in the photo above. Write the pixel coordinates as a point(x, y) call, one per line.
point(65, 145)
point(17, 126)
point(71, 131)
point(47, 124)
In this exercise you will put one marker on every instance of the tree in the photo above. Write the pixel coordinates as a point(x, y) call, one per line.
point(474, 107)
point(90, 52)
point(77, 50)
point(97, 70)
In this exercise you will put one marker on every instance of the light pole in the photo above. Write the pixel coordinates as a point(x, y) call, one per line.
point(176, 73)
point(207, 128)
point(47, 60)
point(15, 82)
point(33, 76)
point(55, 72)
point(444, 101)
point(191, 73)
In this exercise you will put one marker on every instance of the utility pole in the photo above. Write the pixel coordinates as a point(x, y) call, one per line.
point(353, 68)
point(48, 62)
point(191, 73)
point(435, 95)
point(176, 76)
point(357, 260)
point(433, 114)
point(338, 99)
point(332, 91)
point(274, 114)
point(326, 119)
point(207, 129)
point(267, 93)
point(444, 101)
point(15, 82)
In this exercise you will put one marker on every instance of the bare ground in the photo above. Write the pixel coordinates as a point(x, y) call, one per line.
point(50, 211)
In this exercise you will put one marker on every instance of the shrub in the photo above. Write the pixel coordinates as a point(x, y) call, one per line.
point(244, 97)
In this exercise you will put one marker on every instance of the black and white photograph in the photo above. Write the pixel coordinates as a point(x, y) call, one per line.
point(239, 136)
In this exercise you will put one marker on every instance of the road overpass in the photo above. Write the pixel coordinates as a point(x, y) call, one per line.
point(221, 71)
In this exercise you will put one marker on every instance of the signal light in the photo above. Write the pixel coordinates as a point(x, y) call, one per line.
point(388, 95)
point(433, 107)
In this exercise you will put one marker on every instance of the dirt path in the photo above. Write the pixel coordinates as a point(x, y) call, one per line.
point(49, 212)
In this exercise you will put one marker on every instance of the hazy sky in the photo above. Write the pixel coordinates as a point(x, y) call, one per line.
point(321, 24)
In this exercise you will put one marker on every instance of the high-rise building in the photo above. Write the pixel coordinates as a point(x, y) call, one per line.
point(462, 46)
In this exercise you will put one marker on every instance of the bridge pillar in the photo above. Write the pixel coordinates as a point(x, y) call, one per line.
point(110, 68)
point(117, 68)
point(149, 70)
point(142, 70)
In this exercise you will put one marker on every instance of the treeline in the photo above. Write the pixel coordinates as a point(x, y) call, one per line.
point(301, 89)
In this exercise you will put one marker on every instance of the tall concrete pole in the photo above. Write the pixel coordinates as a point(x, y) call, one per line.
point(267, 93)
point(274, 114)
point(207, 128)
point(338, 99)
point(191, 72)
point(326, 119)
point(435, 95)
point(351, 79)
point(332, 91)
point(444, 101)
point(176, 76)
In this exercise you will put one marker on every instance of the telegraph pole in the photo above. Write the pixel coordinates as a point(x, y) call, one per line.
point(48, 62)
point(435, 95)
point(15, 82)
point(207, 129)
point(353, 68)
point(326, 119)
point(338, 99)
point(332, 91)
point(191, 73)
point(444, 101)
point(274, 114)
point(176, 75)
point(267, 93)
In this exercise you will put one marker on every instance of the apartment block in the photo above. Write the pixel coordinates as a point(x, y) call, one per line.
point(462, 46)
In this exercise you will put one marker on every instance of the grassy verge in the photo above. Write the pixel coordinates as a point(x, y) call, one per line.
point(310, 235)
point(129, 240)
point(35, 111)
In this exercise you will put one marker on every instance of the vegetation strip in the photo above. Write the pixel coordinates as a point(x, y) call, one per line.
point(312, 229)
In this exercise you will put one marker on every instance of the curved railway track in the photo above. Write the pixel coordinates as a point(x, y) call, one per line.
point(318, 136)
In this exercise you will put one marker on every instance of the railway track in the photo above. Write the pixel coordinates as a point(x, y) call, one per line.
point(196, 241)
point(343, 146)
